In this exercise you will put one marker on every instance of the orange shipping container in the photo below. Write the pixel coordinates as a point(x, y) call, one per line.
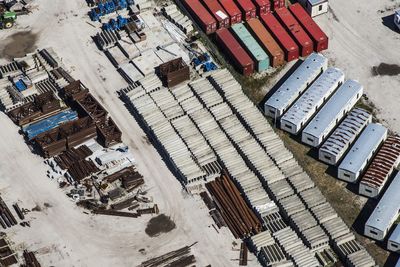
point(275, 53)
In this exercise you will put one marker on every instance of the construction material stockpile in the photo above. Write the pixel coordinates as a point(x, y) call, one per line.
point(180, 257)
point(30, 259)
point(290, 31)
point(237, 215)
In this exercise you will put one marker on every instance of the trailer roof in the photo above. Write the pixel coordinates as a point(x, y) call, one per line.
point(346, 132)
point(359, 152)
point(304, 74)
point(387, 208)
point(333, 107)
point(317, 2)
point(306, 103)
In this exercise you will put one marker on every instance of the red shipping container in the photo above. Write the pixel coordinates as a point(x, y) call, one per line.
point(248, 9)
point(296, 31)
point(314, 31)
point(263, 6)
point(218, 12)
point(279, 4)
point(281, 36)
point(241, 60)
point(232, 10)
point(205, 20)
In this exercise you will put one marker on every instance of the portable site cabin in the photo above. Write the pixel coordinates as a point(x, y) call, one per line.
point(361, 152)
point(381, 167)
point(315, 7)
point(309, 102)
point(385, 213)
point(297, 82)
point(394, 240)
point(332, 112)
point(333, 149)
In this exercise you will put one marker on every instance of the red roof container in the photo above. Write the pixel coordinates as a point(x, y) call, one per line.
point(233, 10)
point(314, 31)
point(281, 36)
point(296, 31)
point(279, 4)
point(275, 53)
point(248, 9)
point(263, 6)
point(218, 12)
point(241, 60)
point(203, 17)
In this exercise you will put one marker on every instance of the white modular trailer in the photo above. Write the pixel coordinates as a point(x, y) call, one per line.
point(332, 112)
point(385, 213)
point(333, 149)
point(305, 107)
point(361, 152)
point(297, 82)
point(394, 240)
point(315, 7)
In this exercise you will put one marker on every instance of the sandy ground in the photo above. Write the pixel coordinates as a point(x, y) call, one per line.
point(61, 233)
point(362, 36)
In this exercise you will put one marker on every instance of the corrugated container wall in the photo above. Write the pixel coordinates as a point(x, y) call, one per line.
point(252, 47)
point(203, 17)
point(296, 31)
point(311, 27)
point(247, 8)
point(235, 51)
point(233, 11)
point(263, 6)
point(281, 36)
point(266, 40)
point(218, 12)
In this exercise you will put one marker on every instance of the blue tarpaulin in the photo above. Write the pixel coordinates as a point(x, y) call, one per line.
point(45, 125)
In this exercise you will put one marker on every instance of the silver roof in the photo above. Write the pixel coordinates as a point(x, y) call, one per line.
point(329, 112)
point(290, 89)
point(387, 208)
point(346, 132)
point(307, 103)
point(359, 152)
point(395, 236)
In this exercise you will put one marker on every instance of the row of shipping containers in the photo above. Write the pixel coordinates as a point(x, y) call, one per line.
point(283, 36)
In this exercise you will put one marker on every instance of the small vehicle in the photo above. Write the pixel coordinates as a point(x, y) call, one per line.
point(397, 19)
point(7, 19)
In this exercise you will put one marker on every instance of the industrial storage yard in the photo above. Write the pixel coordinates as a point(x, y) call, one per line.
point(270, 139)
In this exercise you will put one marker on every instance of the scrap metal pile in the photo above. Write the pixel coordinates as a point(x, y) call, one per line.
point(30, 259)
point(7, 255)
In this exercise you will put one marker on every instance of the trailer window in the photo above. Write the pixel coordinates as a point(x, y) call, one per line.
point(346, 174)
point(368, 190)
point(309, 139)
point(320, 7)
point(288, 126)
point(395, 245)
point(327, 157)
point(373, 232)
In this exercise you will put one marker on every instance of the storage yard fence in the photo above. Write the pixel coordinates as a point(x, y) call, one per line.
point(207, 125)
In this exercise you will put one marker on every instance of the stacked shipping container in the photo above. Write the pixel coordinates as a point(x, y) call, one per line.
point(296, 31)
point(233, 11)
point(253, 48)
point(204, 18)
point(278, 4)
point(237, 54)
point(247, 8)
point(218, 12)
point(266, 40)
point(281, 36)
point(314, 31)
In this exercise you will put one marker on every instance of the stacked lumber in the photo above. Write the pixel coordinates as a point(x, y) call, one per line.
point(68, 158)
point(82, 169)
point(240, 219)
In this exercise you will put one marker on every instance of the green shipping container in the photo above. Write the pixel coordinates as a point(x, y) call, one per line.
point(252, 47)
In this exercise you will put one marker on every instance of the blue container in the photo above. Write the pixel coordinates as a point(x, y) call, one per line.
point(20, 85)
point(251, 46)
